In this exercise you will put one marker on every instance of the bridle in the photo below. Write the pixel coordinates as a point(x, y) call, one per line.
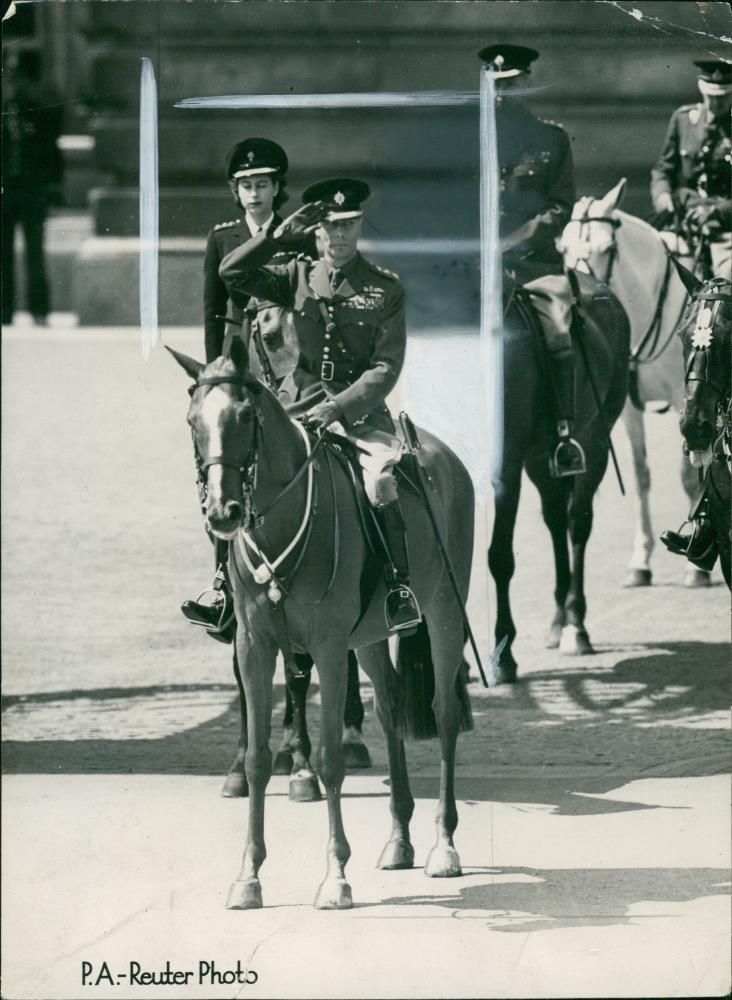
point(584, 220)
point(252, 519)
point(698, 368)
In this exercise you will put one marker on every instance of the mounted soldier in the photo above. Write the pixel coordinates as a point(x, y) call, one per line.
point(537, 193)
point(349, 321)
point(692, 182)
point(256, 171)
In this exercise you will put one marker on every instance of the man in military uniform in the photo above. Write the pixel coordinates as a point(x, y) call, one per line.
point(692, 179)
point(32, 177)
point(349, 320)
point(257, 171)
point(537, 193)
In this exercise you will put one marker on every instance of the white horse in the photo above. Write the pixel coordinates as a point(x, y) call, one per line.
point(631, 257)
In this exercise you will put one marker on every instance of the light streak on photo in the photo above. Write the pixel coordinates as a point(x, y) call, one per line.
point(149, 212)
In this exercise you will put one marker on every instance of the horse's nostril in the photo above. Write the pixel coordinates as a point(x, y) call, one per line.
point(233, 510)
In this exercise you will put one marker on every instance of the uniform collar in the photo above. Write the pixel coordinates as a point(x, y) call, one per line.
point(254, 228)
point(350, 283)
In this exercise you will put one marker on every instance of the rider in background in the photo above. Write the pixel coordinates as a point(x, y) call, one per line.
point(256, 170)
point(349, 320)
point(692, 180)
point(537, 193)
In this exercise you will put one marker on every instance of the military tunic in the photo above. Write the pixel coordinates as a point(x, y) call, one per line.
point(695, 165)
point(537, 190)
point(356, 362)
point(222, 239)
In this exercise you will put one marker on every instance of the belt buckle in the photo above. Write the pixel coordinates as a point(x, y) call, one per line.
point(326, 371)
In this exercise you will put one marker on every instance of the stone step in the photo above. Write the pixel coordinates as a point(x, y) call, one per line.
point(400, 207)
point(442, 279)
point(426, 141)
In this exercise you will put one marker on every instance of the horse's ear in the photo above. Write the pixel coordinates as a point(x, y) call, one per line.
point(239, 354)
point(190, 365)
point(614, 197)
point(692, 284)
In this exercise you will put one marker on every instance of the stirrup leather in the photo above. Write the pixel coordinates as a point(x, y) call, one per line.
point(579, 464)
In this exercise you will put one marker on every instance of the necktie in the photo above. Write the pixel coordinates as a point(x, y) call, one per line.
point(335, 279)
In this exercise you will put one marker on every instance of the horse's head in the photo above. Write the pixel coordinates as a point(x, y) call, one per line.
point(588, 240)
point(225, 418)
point(705, 336)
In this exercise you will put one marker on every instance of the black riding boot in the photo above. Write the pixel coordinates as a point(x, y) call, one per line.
point(568, 458)
point(698, 542)
point(214, 609)
point(400, 608)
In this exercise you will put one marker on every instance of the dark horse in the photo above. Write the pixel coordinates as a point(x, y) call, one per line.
point(601, 360)
point(706, 416)
point(253, 457)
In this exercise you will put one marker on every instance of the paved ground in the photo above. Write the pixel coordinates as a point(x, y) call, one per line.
point(594, 800)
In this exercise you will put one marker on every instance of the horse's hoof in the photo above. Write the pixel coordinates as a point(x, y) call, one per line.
point(506, 670)
point(575, 642)
point(245, 895)
point(304, 787)
point(236, 786)
point(553, 636)
point(356, 755)
point(638, 578)
point(443, 862)
point(282, 763)
point(694, 578)
point(396, 855)
point(334, 894)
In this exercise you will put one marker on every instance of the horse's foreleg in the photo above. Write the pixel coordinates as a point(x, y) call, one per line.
point(502, 565)
point(575, 641)
point(554, 498)
point(283, 757)
point(375, 660)
point(443, 860)
point(257, 663)
point(303, 786)
point(639, 569)
point(334, 892)
point(355, 751)
point(235, 785)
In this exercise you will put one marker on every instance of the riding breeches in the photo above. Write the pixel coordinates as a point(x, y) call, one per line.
point(552, 300)
point(379, 453)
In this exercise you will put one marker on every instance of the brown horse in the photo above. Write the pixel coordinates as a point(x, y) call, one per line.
point(262, 474)
point(601, 366)
point(706, 416)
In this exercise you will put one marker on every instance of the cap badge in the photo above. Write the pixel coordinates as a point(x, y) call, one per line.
point(250, 155)
point(499, 61)
point(339, 197)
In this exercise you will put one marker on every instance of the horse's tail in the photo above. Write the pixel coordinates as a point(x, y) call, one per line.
point(417, 671)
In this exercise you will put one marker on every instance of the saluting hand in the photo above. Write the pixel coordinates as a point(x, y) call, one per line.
point(301, 223)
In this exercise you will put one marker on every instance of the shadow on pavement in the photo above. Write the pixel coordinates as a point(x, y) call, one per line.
point(532, 899)
point(556, 739)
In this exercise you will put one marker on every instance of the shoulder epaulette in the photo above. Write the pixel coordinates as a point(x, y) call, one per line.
point(383, 270)
point(553, 124)
point(226, 225)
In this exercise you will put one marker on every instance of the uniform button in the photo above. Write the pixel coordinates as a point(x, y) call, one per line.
point(327, 336)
